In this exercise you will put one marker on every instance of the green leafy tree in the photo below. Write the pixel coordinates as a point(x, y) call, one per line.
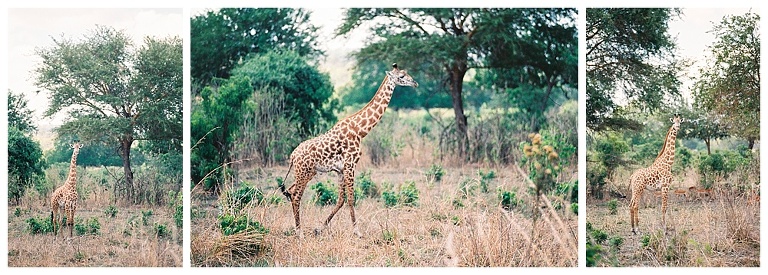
point(25, 159)
point(114, 91)
point(221, 39)
point(640, 67)
point(701, 125)
point(445, 44)
point(95, 154)
point(729, 85)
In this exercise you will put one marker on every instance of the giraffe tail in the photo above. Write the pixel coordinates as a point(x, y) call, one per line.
point(281, 184)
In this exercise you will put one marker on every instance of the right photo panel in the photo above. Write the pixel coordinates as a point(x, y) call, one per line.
point(673, 137)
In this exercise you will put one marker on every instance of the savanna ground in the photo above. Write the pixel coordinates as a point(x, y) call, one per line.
point(107, 231)
point(703, 230)
point(474, 215)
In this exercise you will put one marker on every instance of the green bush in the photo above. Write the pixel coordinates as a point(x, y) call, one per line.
point(613, 206)
point(367, 186)
point(569, 190)
point(390, 198)
point(409, 195)
point(616, 242)
point(111, 211)
point(245, 195)
point(435, 172)
point(599, 236)
point(575, 208)
point(146, 215)
point(178, 216)
point(324, 194)
point(91, 227)
point(17, 212)
point(162, 231)
point(485, 178)
point(508, 199)
point(39, 225)
point(230, 224)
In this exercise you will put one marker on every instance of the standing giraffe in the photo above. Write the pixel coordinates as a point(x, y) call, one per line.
point(65, 197)
point(655, 177)
point(338, 149)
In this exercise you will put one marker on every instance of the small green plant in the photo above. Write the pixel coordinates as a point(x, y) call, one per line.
point(593, 254)
point(599, 236)
point(162, 231)
point(613, 206)
point(575, 208)
point(456, 220)
point(508, 199)
point(367, 186)
point(324, 194)
point(457, 203)
point(244, 195)
point(616, 242)
point(276, 199)
point(435, 173)
point(485, 178)
point(80, 229)
point(409, 195)
point(230, 224)
point(178, 216)
point(390, 198)
point(39, 225)
point(645, 240)
point(388, 237)
point(146, 215)
point(94, 227)
point(111, 211)
point(17, 212)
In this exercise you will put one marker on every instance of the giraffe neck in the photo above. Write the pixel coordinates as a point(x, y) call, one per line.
point(371, 114)
point(666, 156)
point(72, 178)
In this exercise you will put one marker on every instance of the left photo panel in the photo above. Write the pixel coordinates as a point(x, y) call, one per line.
point(95, 137)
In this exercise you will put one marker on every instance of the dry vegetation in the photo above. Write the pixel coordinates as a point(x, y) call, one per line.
point(434, 233)
point(134, 237)
point(702, 230)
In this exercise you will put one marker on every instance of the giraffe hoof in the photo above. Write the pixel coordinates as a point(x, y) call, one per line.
point(318, 231)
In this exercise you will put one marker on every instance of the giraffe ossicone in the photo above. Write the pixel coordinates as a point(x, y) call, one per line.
point(338, 149)
point(658, 176)
point(64, 198)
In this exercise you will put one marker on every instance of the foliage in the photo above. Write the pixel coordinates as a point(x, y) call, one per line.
point(244, 195)
point(509, 199)
point(324, 194)
point(162, 231)
point(435, 172)
point(220, 39)
point(409, 195)
point(111, 211)
point(613, 206)
point(575, 208)
point(146, 215)
point(39, 225)
point(730, 80)
point(25, 164)
point(603, 160)
point(700, 124)
point(468, 38)
point(230, 225)
point(381, 144)
point(92, 154)
point(19, 116)
point(485, 178)
point(642, 66)
point(542, 162)
point(213, 124)
point(390, 198)
point(367, 186)
point(113, 91)
point(306, 90)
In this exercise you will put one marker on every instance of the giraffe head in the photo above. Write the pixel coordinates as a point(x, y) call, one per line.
point(401, 77)
point(76, 145)
point(676, 121)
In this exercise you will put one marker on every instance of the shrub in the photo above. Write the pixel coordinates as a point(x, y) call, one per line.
point(17, 212)
point(111, 211)
point(324, 194)
point(409, 195)
point(146, 215)
point(367, 186)
point(616, 242)
point(613, 206)
point(245, 195)
point(178, 216)
point(390, 198)
point(575, 208)
point(599, 236)
point(39, 225)
point(162, 231)
point(230, 225)
point(508, 199)
point(485, 178)
point(435, 172)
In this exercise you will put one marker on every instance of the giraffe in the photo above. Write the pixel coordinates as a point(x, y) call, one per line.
point(338, 149)
point(655, 177)
point(65, 197)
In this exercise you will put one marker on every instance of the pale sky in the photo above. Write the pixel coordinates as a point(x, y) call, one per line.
point(692, 31)
point(29, 29)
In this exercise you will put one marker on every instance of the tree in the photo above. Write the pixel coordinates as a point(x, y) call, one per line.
point(95, 154)
point(629, 55)
point(221, 39)
point(729, 86)
point(113, 91)
point(701, 125)
point(447, 43)
point(25, 162)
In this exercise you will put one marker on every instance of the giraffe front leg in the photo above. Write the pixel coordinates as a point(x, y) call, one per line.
point(351, 202)
point(339, 204)
point(664, 192)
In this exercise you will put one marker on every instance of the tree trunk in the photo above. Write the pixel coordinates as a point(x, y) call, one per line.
point(125, 154)
point(706, 141)
point(751, 143)
point(534, 121)
point(457, 72)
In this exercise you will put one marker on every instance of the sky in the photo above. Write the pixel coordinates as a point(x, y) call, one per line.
point(29, 29)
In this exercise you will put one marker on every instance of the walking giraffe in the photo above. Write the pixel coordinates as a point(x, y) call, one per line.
point(655, 177)
point(338, 149)
point(65, 197)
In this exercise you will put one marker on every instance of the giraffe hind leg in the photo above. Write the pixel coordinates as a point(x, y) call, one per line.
point(351, 202)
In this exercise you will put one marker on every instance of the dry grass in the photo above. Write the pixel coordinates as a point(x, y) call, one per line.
point(723, 230)
point(435, 233)
point(124, 240)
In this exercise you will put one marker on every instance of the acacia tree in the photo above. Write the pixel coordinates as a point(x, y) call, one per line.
point(221, 39)
point(114, 91)
point(629, 55)
point(729, 86)
point(447, 43)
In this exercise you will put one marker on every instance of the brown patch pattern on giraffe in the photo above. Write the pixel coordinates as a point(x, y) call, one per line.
point(655, 177)
point(64, 198)
point(338, 149)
